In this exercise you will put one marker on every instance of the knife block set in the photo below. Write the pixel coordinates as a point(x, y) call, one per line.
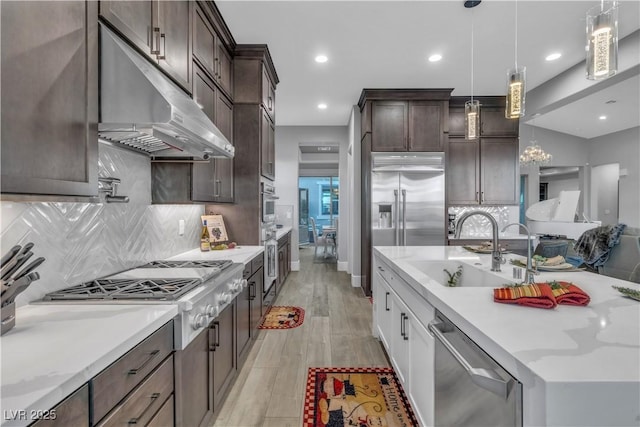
point(13, 282)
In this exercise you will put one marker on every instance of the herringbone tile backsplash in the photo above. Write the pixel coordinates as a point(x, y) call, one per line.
point(84, 241)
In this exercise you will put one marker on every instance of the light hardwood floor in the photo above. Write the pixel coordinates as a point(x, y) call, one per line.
point(269, 390)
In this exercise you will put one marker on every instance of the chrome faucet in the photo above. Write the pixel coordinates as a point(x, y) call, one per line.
point(530, 270)
point(496, 256)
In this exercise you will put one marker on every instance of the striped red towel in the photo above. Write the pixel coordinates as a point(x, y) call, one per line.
point(569, 294)
point(537, 295)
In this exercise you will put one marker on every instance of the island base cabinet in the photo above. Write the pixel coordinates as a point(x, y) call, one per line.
point(400, 319)
point(421, 365)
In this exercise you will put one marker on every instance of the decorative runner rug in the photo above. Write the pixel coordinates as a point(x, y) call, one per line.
point(337, 397)
point(282, 317)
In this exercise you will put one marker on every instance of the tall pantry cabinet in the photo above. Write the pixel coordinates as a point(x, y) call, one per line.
point(255, 80)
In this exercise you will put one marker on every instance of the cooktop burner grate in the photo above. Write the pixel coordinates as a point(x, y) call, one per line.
point(219, 264)
point(125, 289)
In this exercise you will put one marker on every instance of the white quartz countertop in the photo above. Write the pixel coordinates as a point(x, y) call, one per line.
point(565, 357)
point(240, 254)
point(55, 349)
point(282, 231)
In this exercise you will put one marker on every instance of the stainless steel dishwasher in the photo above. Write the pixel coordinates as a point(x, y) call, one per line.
point(471, 389)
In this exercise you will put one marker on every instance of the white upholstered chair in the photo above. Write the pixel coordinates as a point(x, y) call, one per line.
point(324, 241)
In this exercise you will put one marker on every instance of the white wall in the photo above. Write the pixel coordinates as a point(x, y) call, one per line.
point(287, 141)
point(624, 148)
point(558, 185)
point(567, 150)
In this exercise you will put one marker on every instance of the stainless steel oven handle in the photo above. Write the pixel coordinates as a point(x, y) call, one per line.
point(485, 378)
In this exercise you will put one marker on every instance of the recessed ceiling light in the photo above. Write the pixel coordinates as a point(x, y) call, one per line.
point(322, 106)
point(553, 56)
point(435, 57)
point(321, 58)
point(603, 117)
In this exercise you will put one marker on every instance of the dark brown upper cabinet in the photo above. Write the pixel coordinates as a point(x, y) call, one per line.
point(405, 120)
point(255, 79)
point(49, 99)
point(492, 119)
point(210, 50)
point(482, 171)
point(161, 30)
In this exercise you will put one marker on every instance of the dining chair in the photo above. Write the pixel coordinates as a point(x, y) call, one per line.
point(323, 240)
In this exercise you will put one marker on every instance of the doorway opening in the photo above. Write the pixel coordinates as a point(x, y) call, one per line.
point(319, 199)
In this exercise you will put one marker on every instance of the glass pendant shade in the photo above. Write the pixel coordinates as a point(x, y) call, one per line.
point(471, 119)
point(602, 41)
point(515, 92)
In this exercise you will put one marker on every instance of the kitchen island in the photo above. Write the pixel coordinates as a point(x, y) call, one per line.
point(578, 366)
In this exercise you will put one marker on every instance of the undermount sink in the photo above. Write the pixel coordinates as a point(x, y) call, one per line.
point(472, 277)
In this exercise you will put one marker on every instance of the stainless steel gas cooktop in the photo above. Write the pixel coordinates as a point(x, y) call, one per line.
point(125, 289)
point(219, 264)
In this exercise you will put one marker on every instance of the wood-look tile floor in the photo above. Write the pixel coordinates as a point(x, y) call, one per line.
point(269, 388)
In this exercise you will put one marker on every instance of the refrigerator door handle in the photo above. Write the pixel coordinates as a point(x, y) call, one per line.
point(397, 219)
point(404, 217)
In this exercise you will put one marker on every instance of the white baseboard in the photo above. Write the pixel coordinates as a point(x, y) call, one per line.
point(343, 265)
point(295, 265)
point(356, 281)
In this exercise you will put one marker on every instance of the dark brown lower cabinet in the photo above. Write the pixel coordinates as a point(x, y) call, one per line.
point(194, 382)
point(73, 411)
point(249, 311)
point(165, 416)
point(222, 344)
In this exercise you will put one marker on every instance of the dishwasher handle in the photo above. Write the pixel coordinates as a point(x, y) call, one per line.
point(485, 378)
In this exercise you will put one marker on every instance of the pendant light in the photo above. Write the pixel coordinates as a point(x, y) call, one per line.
point(515, 83)
point(471, 107)
point(602, 40)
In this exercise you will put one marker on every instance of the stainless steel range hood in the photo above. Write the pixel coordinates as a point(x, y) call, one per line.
point(143, 110)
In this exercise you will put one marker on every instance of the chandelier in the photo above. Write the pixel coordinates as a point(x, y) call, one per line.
point(534, 155)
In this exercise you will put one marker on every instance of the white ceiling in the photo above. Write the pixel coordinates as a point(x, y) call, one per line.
point(385, 44)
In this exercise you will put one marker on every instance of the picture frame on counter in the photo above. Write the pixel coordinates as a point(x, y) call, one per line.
point(217, 230)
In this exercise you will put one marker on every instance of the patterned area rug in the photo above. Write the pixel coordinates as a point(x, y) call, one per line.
point(337, 397)
point(282, 317)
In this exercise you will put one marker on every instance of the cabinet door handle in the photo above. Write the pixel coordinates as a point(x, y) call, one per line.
point(482, 197)
point(216, 62)
point(406, 335)
point(153, 398)
point(402, 324)
point(386, 301)
point(252, 291)
point(155, 41)
point(152, 355)
point(162, 47)
point(217, 326)
point(476, 199)
point(380, 268)
point(409, 140)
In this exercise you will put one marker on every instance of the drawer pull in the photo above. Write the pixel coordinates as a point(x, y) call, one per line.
point(152, 355)
point(386, 301)
point(153, 397)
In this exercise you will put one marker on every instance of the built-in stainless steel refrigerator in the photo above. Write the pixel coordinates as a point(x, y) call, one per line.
point(407, 195)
